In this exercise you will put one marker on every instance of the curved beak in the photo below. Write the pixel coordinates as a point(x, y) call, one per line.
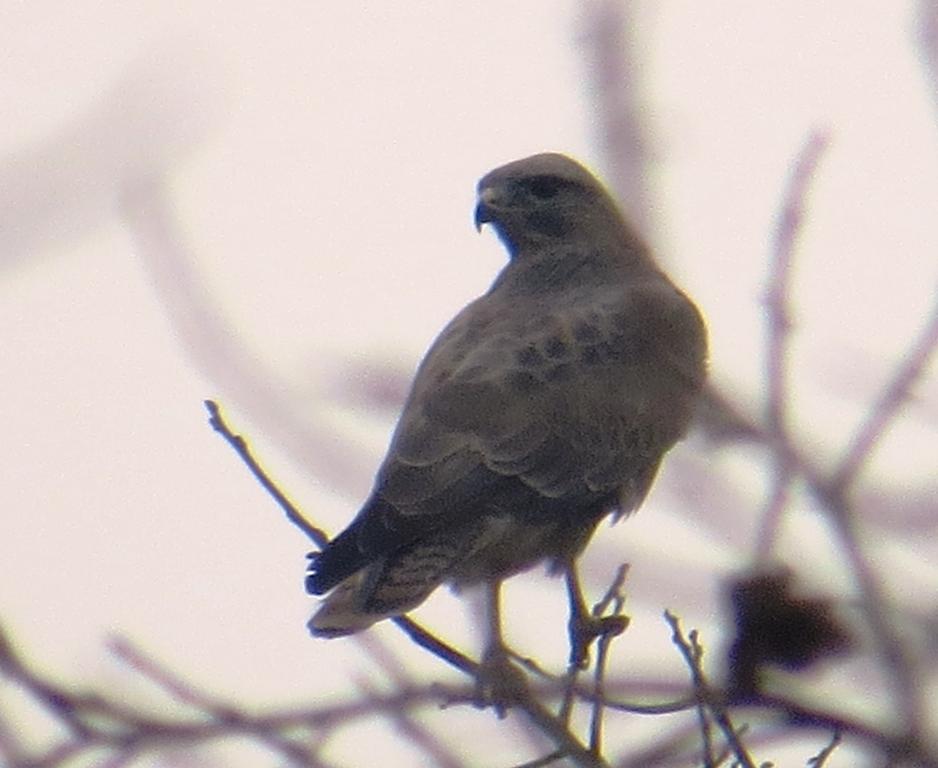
point(483, 215)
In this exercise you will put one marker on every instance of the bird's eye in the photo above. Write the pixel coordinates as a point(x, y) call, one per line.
point(545, 187)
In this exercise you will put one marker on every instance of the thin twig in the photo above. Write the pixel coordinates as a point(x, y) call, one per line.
point(726, 751)
point(415, 731)
point(836, 496)
point(177, 688)
point(541, 762)
point(66, 709)
point(412, 731)
point(896, 747)
point(560, 734)
point(894, 396)
point(614, 598)
point(634, 708)
point(534, 667)
point(436, 646)
point(778, 334)
point(316, 535)
point(703, 718)
point(614, 595)
point(704, 694)
point(185, 693)
point(821, 757)
point(599, 679)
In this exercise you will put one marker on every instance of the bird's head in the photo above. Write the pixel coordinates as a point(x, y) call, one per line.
point(546, 197)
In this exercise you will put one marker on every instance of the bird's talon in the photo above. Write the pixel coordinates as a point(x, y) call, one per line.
point(499, 683)
point(610, 626)
point(584, 630)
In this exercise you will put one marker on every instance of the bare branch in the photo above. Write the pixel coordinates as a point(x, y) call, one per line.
point(778, 328)
point(835, 494)
point(177, 688)
point(894, 396)
point(316, 535)
point(614, 72)
point(540, 762)
point(821, 757)
point(705, 696)
point(614, 598)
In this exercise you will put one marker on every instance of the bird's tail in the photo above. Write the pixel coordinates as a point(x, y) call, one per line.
point(391, 586)
point(344, 612)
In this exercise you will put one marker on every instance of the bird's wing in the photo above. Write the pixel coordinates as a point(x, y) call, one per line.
point(560, 399)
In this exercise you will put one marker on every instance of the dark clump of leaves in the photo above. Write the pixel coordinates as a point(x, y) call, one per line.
point(777, 628)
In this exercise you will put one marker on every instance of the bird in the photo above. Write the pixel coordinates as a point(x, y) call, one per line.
point(543, 407)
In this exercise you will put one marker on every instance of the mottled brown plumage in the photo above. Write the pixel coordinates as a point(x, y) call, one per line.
point(545, 405)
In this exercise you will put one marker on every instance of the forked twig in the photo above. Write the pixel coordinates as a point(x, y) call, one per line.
point(836, 493)
point(705, 696)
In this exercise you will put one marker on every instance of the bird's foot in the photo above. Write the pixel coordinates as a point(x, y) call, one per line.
point(499, 682)
point(584, 629)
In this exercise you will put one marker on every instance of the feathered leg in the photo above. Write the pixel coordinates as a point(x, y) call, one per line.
point(583, 626)
point(499, 683)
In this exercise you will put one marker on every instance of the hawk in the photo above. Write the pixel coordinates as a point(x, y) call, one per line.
point(544, 406)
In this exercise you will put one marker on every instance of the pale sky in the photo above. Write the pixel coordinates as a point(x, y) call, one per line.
point(320, 162)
